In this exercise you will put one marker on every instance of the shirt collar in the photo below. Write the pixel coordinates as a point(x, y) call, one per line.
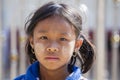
point(75, 75)
point(33, 72)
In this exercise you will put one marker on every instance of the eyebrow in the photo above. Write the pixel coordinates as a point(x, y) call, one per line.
point(64, 33)
point(42, 31)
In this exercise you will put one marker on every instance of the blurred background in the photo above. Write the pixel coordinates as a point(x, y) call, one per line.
point(101, 25)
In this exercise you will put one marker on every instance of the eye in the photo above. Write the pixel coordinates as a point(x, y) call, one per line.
point(43, 37)
point(63, 39)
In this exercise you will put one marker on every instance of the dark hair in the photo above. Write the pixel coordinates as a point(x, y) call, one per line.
point(86, 52)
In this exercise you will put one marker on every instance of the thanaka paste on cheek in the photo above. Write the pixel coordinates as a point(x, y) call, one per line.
point(69, 51)
point(39, 48)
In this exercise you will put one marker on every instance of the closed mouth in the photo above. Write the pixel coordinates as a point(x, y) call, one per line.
point(52, 58)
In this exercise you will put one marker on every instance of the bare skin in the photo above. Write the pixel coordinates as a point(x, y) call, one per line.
point(54, 41)
point(59, 74)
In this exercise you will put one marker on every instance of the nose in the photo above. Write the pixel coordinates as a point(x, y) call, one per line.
point(52, 49)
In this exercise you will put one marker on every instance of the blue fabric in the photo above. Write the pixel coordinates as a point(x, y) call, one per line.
point(33, 73)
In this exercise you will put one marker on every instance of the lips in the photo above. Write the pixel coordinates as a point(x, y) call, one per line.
point(51, 58)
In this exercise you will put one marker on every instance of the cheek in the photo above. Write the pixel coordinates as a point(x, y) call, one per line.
point(68, 48)
point(39, 48)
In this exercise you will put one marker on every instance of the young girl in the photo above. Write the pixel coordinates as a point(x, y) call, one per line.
point(54, 44)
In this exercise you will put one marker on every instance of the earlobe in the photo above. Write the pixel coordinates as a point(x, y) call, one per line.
point(79, 43)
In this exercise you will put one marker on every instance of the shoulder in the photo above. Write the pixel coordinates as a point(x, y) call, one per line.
point(21, 77)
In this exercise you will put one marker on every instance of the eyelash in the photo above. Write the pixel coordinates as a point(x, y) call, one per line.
point(45, 38)
point(63, 39)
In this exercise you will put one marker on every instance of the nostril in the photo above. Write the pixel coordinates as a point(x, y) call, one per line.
point(52, 49)
point(55, 50)
point(49, 49)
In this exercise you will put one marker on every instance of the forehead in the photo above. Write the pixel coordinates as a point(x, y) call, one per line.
point(55, 24)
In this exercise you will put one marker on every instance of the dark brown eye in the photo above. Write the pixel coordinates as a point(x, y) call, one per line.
point(63, 39)
point(43, 37)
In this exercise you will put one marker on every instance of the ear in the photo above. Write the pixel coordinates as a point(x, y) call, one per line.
point(31, 41)
point(78, 43)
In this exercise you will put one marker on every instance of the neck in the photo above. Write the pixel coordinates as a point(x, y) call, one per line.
point(59, 74)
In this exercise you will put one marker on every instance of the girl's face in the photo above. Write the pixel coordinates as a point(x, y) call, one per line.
point(53, 41)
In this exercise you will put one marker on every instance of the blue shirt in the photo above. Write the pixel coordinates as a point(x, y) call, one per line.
point(33, 73)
